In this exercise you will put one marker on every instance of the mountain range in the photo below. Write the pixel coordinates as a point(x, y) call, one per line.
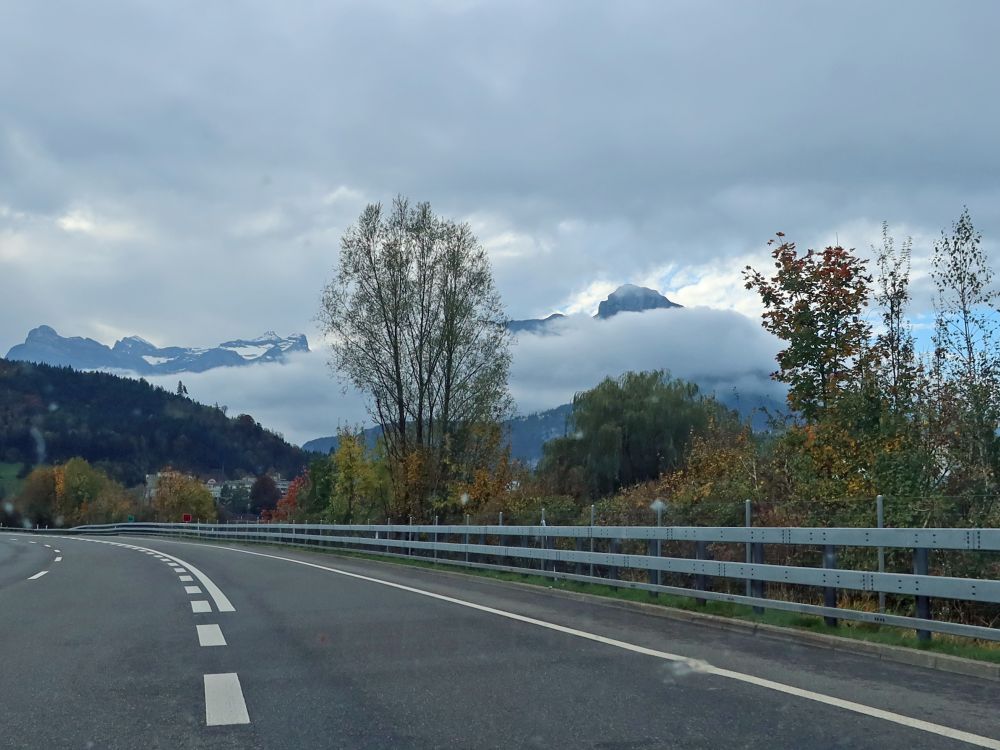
point(43, 345)
point(626, 298)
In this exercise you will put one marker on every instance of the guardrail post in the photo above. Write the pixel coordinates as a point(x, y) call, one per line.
point(592, 539)
point(467, 537)
point(435, 538)
point(746, 522)
point(578, 546)
point(701, 580)
point(880, 517)
point(656, 546)
point(613, 572)
point(501, 559)
point(409, 538)
point(757, 585)
point(545, 546)
point(920, 566)
point(830, 592)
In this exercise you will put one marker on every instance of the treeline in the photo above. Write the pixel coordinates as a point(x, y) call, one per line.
point(126, 427)
point(868, 413)
point(75, 493)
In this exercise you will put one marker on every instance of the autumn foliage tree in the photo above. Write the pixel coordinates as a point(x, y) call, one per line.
point(814, 303)
point(291, 505)
point(71, 494)
point(178, 494)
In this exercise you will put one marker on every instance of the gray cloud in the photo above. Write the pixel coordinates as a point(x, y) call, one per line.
point(184, 171)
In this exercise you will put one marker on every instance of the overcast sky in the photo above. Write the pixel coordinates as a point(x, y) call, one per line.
point(183, 171)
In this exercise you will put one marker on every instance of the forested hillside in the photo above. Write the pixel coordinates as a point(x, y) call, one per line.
point(127, 427)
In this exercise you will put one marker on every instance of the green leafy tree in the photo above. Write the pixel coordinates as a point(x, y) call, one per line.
point(626, 430)
point(966, 370)
point(264, 494)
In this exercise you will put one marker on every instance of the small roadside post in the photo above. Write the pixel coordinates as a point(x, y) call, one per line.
point(880, 519)
point(655, 574)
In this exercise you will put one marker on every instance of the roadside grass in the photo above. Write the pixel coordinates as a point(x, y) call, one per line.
point(10, 485)
point(940, 643)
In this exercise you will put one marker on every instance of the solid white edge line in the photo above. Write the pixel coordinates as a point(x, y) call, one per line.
point(210, 635)
point(37, 575)
point(224, 703)
point(860, 708)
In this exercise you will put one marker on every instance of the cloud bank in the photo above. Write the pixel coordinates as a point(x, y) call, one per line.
point(719, 349)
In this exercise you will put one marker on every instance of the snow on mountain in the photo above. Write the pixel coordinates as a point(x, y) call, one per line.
point(137, 354)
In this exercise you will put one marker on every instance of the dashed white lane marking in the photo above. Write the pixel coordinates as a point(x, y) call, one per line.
point(859, 708)
point(49, 546)
point(222, 602)
point(224, 702)
point(186, 578)
point(32, 542)
point(199, 606)
point(58, 559)
point(56, 551)
point(210, 635)
point(37, 575)
point(192, 589)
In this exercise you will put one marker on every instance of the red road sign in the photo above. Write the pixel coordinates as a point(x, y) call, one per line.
point(186, 518)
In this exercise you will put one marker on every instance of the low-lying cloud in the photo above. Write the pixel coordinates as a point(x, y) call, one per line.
point(719, 349)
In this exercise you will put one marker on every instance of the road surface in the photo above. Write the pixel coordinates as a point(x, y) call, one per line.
point(116, 642)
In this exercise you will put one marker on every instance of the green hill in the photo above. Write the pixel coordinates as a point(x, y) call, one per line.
point(127, 427)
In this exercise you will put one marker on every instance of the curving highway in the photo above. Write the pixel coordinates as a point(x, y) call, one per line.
point(140, 642)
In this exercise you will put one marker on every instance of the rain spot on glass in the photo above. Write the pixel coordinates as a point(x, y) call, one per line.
point(53, 406)
point(36, 434)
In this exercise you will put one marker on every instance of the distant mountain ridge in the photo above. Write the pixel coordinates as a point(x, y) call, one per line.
point(43, 345)
point(626, 298)
point(529, 433)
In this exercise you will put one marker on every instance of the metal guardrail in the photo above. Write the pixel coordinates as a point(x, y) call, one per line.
point(518, 548)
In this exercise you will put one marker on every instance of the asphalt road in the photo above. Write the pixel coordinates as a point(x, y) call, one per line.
point(105, 651)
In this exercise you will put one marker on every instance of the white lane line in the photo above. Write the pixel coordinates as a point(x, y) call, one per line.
point(192, 589)
point(32, 542)
point(186, 578)
point(56, 551)
point(37, 575)
point(859, 708)
point(210, 635)
point(58, 559)
point(224, 702)
point(49, 546)
point(199, 606)
point(222, 602)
